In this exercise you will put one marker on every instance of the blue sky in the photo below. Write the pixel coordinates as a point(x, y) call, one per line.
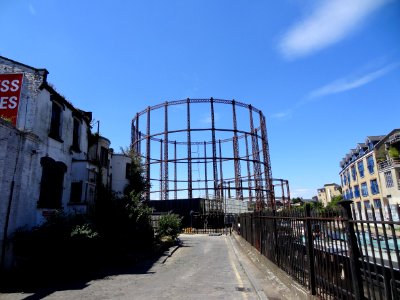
point(326, 74)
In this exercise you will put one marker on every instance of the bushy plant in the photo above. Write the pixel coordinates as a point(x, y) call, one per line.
point(394, 152)
point(169, 225)
point(84, 231)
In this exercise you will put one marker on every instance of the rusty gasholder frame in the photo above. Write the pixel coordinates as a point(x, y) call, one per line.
point(215, 161)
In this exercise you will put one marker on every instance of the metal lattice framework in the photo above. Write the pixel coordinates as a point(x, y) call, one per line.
point(210, 158)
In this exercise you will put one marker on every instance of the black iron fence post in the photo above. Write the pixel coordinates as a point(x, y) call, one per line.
point(310, 251)
point(354, 251)
point(275, 233)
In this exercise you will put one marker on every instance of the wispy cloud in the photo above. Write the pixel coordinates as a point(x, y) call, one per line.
point(284, 115)
point(341, 85)
point(346, 84)
point(206, 118)
point(330, 22)
point(32, 10)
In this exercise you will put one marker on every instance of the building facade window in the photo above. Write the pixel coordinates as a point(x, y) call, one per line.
point(76, 192)
point(360, 166)
point(51, 185)
point(377, 203)
point(367, 204)
point(370, 164)
point(76, 136)
point(359, 206)
point(357, 191)
point(56, 122)
point(388, 179)
point(353, 173)
point(351, 196)
point(374, 187)
point(364, 189)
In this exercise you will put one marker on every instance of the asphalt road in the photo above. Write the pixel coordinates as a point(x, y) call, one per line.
point(204, 267)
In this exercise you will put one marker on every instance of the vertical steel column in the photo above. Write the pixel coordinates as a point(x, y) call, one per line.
point(229, 189)
point(138, 136)
point(220, 171)
point(256, 162)
point(148, 155)
point(189, 142)
point(239, 192)
point(175, 174)
point(133, 134)
point(249, 184)
point(283, 193)
point(205, 168)
point(214, 149)
point(166, 141)
point(288, 192)
point(161, 170)
point(267, 163)
point(139, 148)
point(259, 174)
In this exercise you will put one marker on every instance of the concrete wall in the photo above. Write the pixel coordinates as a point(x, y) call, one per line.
point(119, 181)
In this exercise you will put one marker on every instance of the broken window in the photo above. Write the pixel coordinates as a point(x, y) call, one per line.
point(76, 192)
point(104, 157)
point(51, 185)
point(55, 125)
point(76, 135)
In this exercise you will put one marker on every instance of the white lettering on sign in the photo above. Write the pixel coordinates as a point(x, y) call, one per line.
point(12, 86)
point(8, 102)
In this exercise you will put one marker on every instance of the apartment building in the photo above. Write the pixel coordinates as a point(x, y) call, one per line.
point(363, 172)
point(329, 191)
point(388, 160)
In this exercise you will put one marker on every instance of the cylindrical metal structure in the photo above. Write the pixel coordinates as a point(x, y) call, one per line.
point(212, 154)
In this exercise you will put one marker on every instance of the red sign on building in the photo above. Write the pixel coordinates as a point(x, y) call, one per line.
point(10, 92)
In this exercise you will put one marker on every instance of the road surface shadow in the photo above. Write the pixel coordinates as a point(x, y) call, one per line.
point(42, 282)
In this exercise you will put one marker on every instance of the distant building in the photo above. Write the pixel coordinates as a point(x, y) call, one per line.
point(370, 176)
point(329, 191)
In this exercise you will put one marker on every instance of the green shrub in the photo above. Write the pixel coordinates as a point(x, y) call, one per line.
point(394, 152)
point(169, 225)
point(84, 231)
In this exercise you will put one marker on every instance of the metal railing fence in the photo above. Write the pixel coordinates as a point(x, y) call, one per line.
point(336, 254)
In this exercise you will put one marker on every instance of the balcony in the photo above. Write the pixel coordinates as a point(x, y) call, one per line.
point(390, 163)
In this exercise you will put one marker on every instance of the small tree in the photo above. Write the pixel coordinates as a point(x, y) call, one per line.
point(137, 182)
point(334, 202)
point(126, 220)
point(297, 200)
point(169, 225)
point(393, 152)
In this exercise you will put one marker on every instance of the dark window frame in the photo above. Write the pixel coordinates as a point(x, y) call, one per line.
point(76, 135)
point(55, 131)
point(52, 183)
